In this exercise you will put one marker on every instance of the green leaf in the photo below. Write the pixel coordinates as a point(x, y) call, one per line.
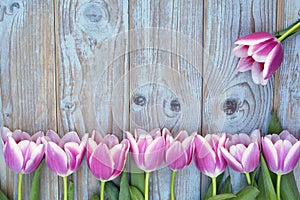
point(111, 190)
point(135, 193)
point(138, 180)
point(222, 196)
point(95, 197)
point(227, 185)
point(247, 193)
point(253, 176)
point(208, 193)
point(274, 125)
point(3, 196)
point(265, 184)
point(124, 187)
point(71, 190)
point(34, 190)
point(288, 187)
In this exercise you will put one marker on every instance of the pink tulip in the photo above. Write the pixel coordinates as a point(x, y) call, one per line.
point(106, 157)
point(64, 155)
point(179, 150)
point(22, 153)
point(148, 149)
point(281, 152)
point(242, 151)
point(208, 157)
point(261, 53)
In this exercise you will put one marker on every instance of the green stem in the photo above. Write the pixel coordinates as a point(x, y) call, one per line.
point(172, 185)
point(293, 29)
point(214, 186)
point(102, 190)
point(278, 186)
point(65, 187)
point(248, 178)
point(20, 186)
point(147, 185)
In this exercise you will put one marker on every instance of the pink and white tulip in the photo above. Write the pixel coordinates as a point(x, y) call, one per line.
point(64, 155)
point(22, 153)
point(242, 152)
point(179, 150)
point(148, 149)
point(281, 152)
point(106, 157)
point(208, 157)
point(261, 53)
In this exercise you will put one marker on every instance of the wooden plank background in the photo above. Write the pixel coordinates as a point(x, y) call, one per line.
point(116, 65)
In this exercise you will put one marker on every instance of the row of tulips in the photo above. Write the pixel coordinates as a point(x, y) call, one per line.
point(106, 156)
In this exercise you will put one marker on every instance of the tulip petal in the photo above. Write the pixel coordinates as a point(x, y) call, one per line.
point(245, 64)
point(262, 54)
point(254, 38)
point(154, 154)
point(285, 135)
point(13, 155)
point(176, 157)
point(270, 154)
point(292, 158)
point(134, 149)
point(257, 47)
point(18, 136)
point(74, 155)
point(91, 147)
point(56, 159)
point(35, 158)
point(231, 161)
point(273, 61)
point(250, 159)
point(119, 155)
point(111, 140)
point(182, 135)
point(37, 135)
point(5, 132)
point(101, 163)
point(69, 137)
point(202, 148)
point(241, 51)
point(257, 76)
point(53, 136)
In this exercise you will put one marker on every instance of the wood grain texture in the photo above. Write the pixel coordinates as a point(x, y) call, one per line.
point(27, 72)
point(92, 64)
point(287, 88)
point(232, 102)
point(165, 79)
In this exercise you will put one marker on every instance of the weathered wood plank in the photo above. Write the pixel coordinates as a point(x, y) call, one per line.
point(92, 64)
point(233, 103)
point(27, 77)
point(287, 88)
point(165, 79)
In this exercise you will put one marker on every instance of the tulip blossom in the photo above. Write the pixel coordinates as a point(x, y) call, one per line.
point(282, 153)
point(22, 153)
point(261, 53)
point(148, 151)
point(242, 152)
point(106, 157)
point(179, 153)
point(208, 157)
point(64, 155)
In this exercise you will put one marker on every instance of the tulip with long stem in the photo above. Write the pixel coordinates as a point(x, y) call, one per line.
point(282, 153)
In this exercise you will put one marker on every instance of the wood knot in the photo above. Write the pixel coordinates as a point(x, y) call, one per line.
point(139, 100)
point(230, 106)
point(12, 8)
point(175, 105)
point(94, 13)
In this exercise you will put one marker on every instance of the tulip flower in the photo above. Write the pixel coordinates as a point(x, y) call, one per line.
point(282, 153)
point(208, 157)
point(179, 152)
point(148, 151)
point(22, 153)
point(64, 155)
point(262, 53)
point(106, 157)
point(242, 152)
